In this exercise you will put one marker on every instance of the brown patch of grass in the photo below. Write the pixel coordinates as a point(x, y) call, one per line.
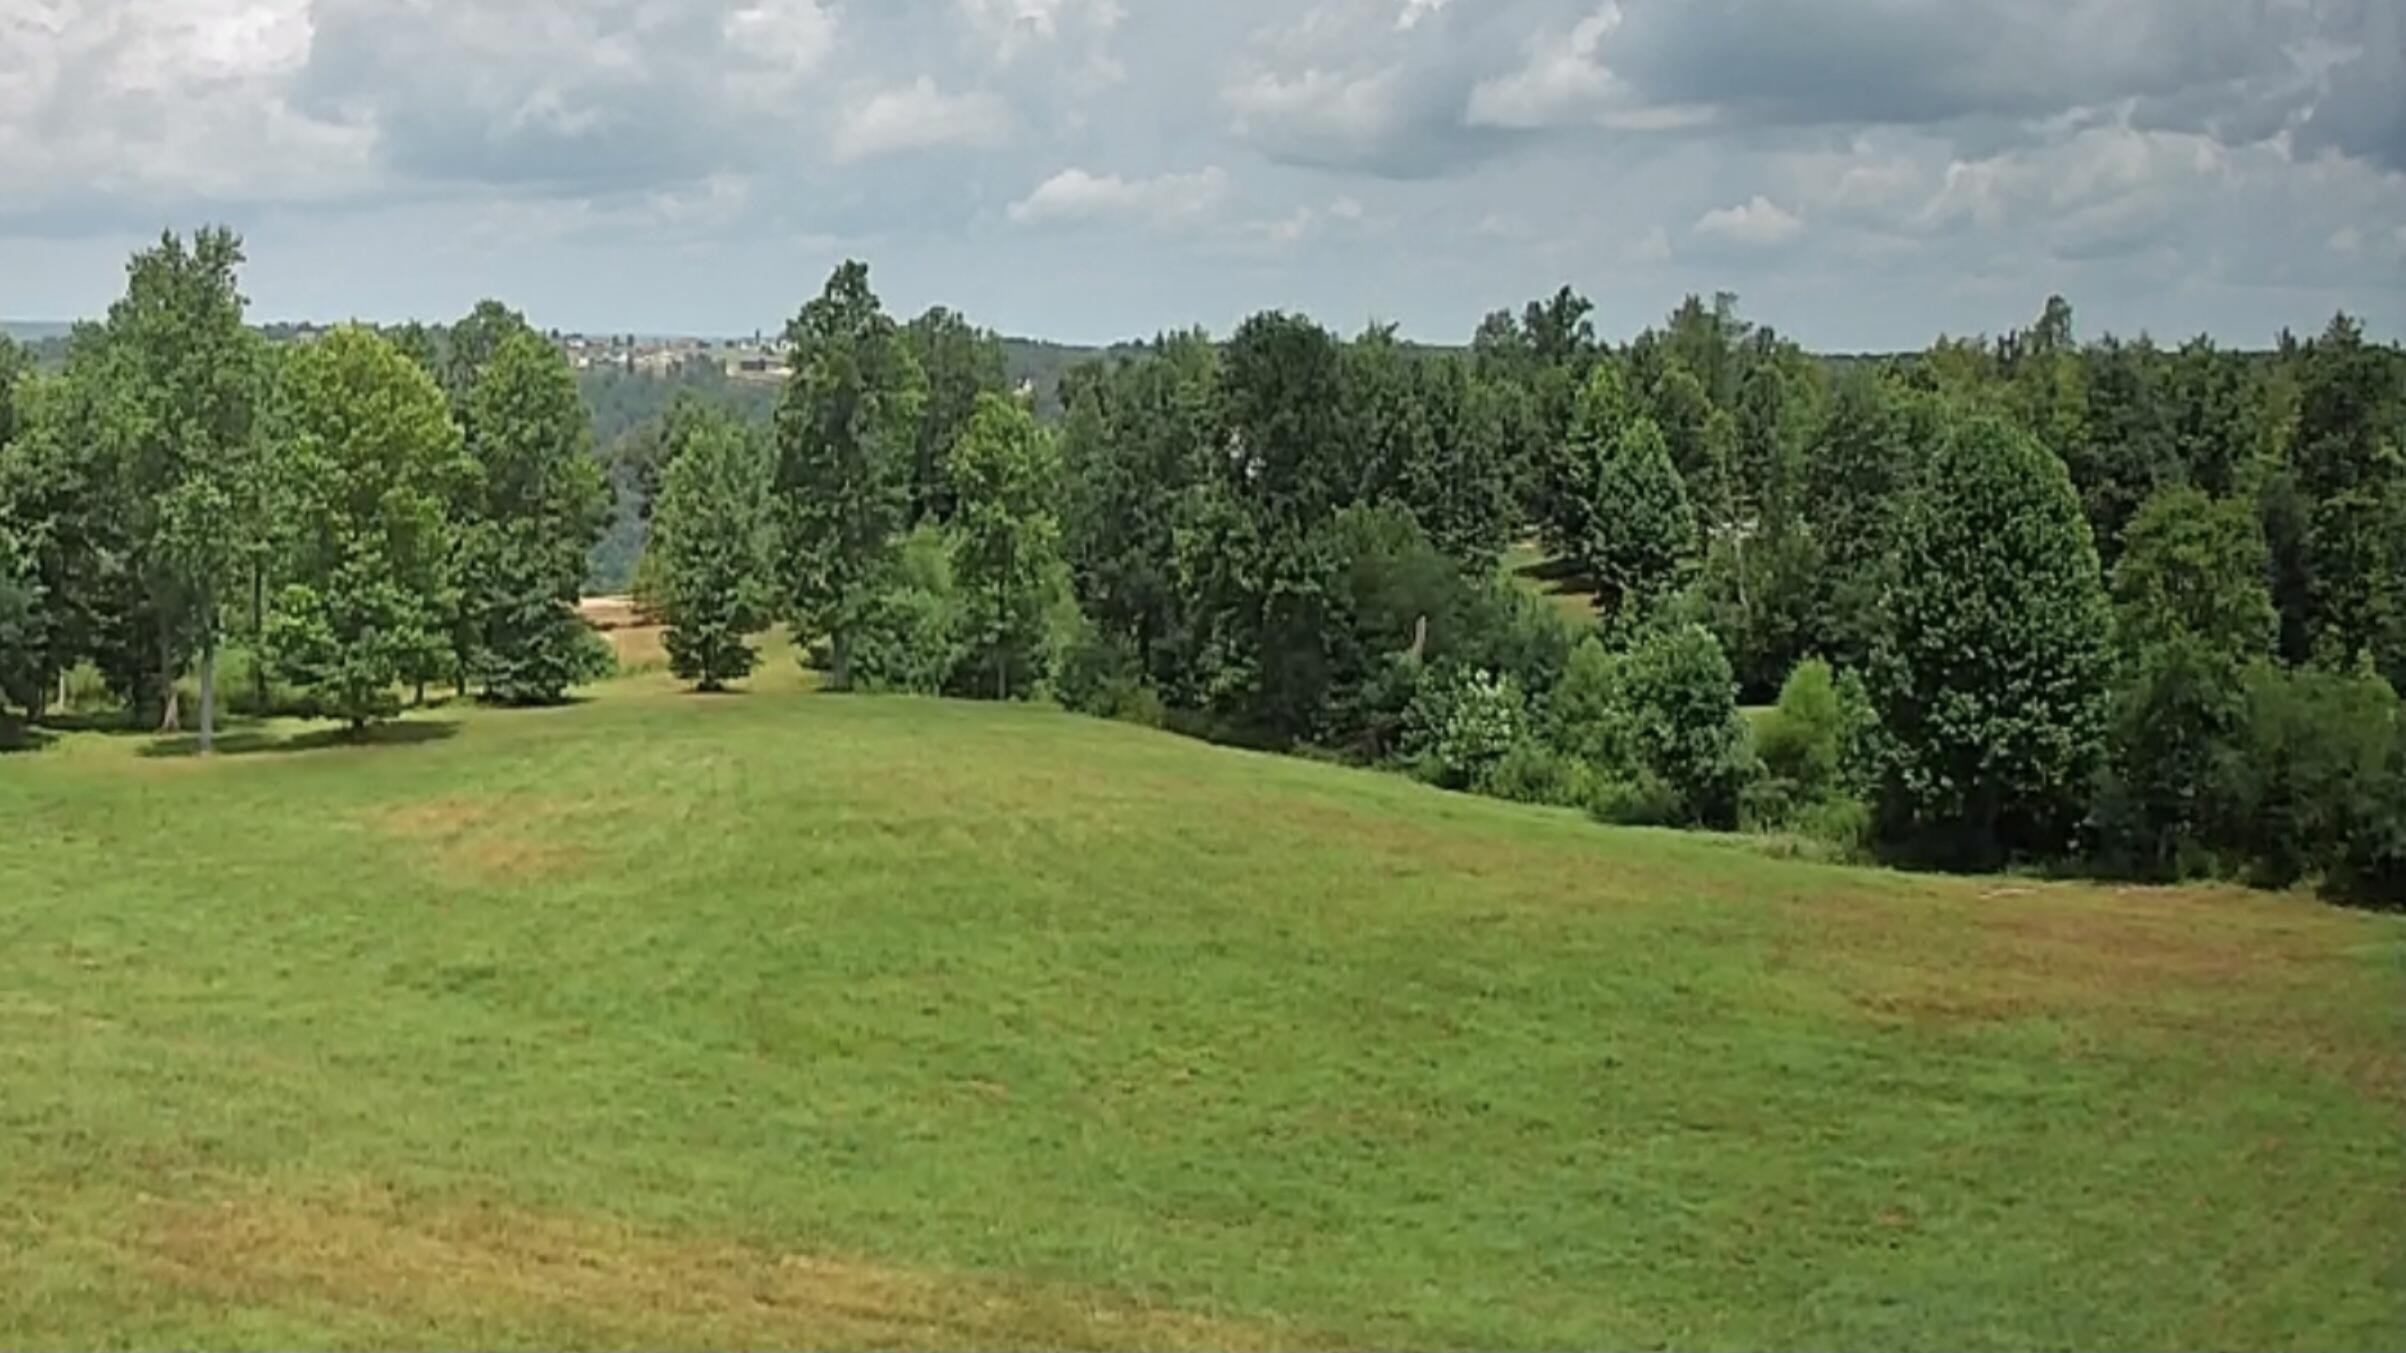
point(483, 840)
point(446, 1272)
point(2241, 969)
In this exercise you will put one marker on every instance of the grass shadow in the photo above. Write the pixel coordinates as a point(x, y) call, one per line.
point(256, 742)
point(18, 737)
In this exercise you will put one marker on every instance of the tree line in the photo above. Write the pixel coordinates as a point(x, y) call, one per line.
point(347, 518)
point(2025, 600)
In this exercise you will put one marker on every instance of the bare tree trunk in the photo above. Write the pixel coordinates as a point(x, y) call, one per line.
point(169, 720)
point(208, 694)
point(839, 659)
point(259, 641)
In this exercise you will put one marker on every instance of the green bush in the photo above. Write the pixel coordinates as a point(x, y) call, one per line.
point(1642, 799)
point(908, 638)
point(1460, 724)
point(1100, 676)
point(1802, 741)
point(2314, 788)
point(1533, 772)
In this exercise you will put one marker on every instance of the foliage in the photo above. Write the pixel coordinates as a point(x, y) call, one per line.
point(711, 540)
point(962, 364)
point(909, 636)
point(372, 454)
point(1991, 675)
point(1643, 541)
point(539, 504)
point(1003, 480)
point(845, 437)
point(2192, 611)
point(1460, 725)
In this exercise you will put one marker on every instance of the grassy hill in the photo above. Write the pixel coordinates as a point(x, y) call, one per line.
point(783, 1019)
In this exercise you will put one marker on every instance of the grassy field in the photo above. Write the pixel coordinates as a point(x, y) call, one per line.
point(785, 1019)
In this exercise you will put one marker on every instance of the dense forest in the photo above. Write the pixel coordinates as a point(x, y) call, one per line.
point(2029, 600)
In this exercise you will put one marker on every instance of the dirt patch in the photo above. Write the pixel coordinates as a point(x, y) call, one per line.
point(451, 1273)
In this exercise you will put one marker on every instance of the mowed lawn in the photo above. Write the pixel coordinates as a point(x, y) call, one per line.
point(788, 1019)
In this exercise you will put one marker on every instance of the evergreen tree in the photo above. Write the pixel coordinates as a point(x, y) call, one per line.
point(1643, 541)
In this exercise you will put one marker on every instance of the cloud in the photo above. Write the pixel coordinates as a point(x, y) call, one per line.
point(918, 116)
point(1756, 223)
point(160, 101)
point(1076, 197)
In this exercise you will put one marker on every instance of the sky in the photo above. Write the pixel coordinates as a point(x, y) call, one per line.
point(1864, 174)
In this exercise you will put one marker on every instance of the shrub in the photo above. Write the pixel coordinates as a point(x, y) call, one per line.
point(909, 635)
point(1678, 720)
point(1533, 772)
point(1460, 724)
point(1100, 676)
point(2314, 788)
point(1802, 742)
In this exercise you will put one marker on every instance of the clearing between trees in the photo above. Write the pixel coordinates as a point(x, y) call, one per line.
point(788, 1019)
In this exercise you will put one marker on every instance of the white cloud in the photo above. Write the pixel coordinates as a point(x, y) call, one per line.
point(1757, 223)
point(163, 100)
point(1416, 10)
point(918, 116)
point(1563, 80)
point(1075, 196)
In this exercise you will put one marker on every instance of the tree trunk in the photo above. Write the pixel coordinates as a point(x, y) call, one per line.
point(839, 660)
point(259, 641)
point(208, 695)
point(169, 720)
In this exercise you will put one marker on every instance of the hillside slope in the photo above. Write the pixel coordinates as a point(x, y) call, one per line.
point(785, 1019)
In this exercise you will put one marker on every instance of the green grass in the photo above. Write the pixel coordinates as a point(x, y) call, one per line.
point(792, 1019)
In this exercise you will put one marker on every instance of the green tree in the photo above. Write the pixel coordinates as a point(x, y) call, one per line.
point(711, 538)
point(846, 432)
point(1643, 541)
point(186, 381)
point(2193, 613)
point(539, 505)
point(1991, 676)
point(373, 453)
point(1004, 476)
point(960, 362)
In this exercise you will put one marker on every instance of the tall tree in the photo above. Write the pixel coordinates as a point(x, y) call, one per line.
point(1005, 478)
point(540, 503)
point(1991, 676)
point(187, 374)
point(1644, 542)
point(711, 542)
point(961, 362)
point(846, 432)
point(373, 454)
point(2193, 612)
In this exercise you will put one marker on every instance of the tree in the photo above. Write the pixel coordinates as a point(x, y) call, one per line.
point(711, 537)
point(22, 626)
point(1004, 476)
point(63, 491)
point(539, 505)
point(846, 432)
point(1991, 676)
point(186, 377)
point(2193, 612)
point(961, 362)
point(1642, 543)
point(374, 454)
